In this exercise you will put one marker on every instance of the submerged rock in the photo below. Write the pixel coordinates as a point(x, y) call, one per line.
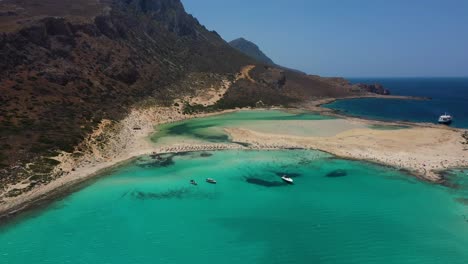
point(157, 161)
point(337, 173)
point(463, 200)
point(264, 183)
point(171, 194)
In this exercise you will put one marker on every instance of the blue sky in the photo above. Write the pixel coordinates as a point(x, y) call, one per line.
point(351, 38)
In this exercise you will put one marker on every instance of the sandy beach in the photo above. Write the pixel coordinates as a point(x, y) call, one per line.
point(424, 152)
point(423, 149)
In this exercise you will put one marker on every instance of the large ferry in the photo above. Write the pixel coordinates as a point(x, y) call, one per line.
point(445, 119)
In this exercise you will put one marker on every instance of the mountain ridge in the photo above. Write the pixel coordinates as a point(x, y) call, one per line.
point(250, 49)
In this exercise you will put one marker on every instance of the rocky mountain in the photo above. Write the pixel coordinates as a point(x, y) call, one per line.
point(251, 49)
point(68, 64)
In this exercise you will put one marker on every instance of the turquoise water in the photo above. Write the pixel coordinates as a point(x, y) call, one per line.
point(211, 128)
point(447, 95)
point(338, 211)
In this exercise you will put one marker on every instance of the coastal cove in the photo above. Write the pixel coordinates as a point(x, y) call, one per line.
point(259, 130)
point(147, 211)
point(184, 131)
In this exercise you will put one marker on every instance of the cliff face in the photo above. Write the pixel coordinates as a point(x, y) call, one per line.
point(68, 64)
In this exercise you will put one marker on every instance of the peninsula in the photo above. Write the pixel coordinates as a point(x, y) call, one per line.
point(84, 88)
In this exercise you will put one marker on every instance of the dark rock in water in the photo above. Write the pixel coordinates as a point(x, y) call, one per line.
point(159, 162)
point(293, 148)
point(171, 194)
point(451, 185)
point(463, 200)
point(181, 193)
point(337, 173)
point(264, 183)
point(155, 156)
point(304, 161)
point(206, 154)
point(181, 154)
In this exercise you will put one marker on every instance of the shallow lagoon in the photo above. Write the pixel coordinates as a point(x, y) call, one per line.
point(337, 212)
point(211, 129)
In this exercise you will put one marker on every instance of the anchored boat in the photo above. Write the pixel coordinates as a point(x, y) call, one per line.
point(445, 119)
point(212, 181)
point(287, 179)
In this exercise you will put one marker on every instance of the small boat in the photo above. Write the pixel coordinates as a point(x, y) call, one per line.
point(445, 119)
point(209, 180)
point(193, 182)
point(287, 179)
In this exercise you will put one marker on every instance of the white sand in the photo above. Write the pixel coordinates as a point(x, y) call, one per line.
point(421, 150)
point(328, 127)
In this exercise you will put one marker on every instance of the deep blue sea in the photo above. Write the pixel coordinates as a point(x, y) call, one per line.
point(447, 95)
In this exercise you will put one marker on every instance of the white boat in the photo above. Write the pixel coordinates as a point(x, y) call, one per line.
point(287, 179)
point(209, 180)
point(445, 119)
